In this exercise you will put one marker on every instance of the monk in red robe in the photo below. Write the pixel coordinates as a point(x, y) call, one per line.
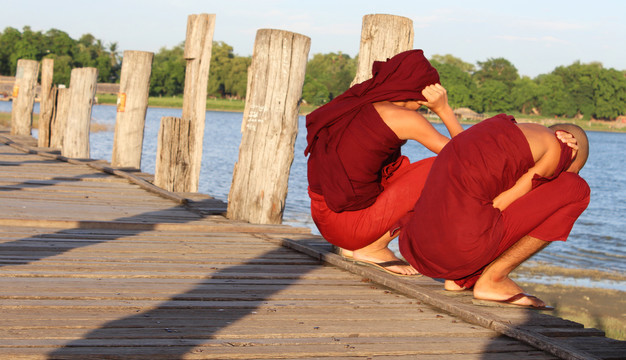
point(359, 182)
point(496, 194)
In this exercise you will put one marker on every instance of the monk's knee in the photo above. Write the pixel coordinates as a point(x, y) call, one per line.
point(573, 186)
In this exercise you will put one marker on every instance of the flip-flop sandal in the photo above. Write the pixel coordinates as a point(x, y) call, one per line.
point(510, 302)
point(384, 264)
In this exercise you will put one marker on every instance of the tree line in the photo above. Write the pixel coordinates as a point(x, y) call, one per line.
point(494, 85)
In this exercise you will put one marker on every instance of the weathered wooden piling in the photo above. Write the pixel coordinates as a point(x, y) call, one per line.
point(198, 46)
point(382, 37)
point(269, 127)
point(47, 102)
point(24, 96)
point(82, 91)
point(132, 104)
point(57, 127)
point(173, 157)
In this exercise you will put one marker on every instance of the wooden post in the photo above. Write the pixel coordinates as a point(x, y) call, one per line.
point(382, 37)
point(198, 46)
point(269, 127)
point(132, 104)
point(24, 96)
point(82, 91)
point(173, 160)
point(57, 128)
point(47, 102)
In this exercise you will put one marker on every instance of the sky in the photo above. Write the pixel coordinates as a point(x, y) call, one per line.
point(535, 36)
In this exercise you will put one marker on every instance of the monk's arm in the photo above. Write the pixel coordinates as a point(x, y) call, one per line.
point(437, 101)
point(408, 124)
point(544, 166)
point(521, 187)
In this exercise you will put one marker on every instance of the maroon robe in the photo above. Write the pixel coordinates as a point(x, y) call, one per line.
point(349, 176)
point(454, 230)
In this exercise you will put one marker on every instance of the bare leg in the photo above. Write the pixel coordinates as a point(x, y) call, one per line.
point(378, 251)
point(495, 284)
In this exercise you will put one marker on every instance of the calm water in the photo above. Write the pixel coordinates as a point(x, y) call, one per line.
point(596, 241)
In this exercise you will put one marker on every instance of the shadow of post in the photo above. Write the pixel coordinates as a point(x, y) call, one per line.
point(177, 326)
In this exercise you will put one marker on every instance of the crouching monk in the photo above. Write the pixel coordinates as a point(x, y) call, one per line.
point(360, 184)
point(496, 194)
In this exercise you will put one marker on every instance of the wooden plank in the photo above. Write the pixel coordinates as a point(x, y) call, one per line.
point(198, 226)
point(194, 349)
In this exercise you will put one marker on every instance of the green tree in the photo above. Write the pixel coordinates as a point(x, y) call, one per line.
point(493, 95)
point(238, 80)
point(56, 44)
point(61, 49)
point(334, 71)
point(554, 99)
point(228, 75)
point(458, 83)
point(525, 95)
point(314, 92)
point(580, 80)
point(168, 72)
point(27, 47)
point(454, 61)
point(60, 42)
point(498, 69)
point(609, 94)
point(62, 69)
point(8, 39)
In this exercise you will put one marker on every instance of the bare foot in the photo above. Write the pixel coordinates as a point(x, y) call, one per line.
point(494, 282)
point(383, 255)
point(504, 289)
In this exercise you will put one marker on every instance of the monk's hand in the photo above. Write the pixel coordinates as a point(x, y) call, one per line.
point(567, 138)
point(436, 98)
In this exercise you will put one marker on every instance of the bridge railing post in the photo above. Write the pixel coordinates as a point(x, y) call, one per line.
point(82, 91)
point(47, 102)
point(382, 37)
point(198, 47)
point(132, 105)
point(24, 96)
point(269, 127)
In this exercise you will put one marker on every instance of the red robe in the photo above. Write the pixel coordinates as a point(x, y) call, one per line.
point(348, 177)
point(454, 230)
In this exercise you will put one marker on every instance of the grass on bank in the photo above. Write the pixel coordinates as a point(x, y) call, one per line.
point(211, 104)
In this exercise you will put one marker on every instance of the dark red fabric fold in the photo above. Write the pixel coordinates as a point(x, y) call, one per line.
point(402, 77)
point(348, 173)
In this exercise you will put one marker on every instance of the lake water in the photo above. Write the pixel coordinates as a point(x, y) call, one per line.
point(596, 241)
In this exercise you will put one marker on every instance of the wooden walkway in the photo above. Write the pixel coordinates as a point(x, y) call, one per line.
point(94, 266)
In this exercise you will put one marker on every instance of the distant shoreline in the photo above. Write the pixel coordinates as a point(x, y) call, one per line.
point(236, 105)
